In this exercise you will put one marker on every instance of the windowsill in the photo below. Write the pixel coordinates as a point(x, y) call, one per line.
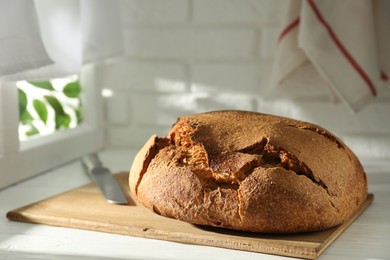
point(57, 136)
point(19, 240)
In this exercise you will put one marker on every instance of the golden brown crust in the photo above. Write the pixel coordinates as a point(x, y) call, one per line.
point(140, 163)
point(249, 171)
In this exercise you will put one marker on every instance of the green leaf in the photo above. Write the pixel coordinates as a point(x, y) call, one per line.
point(42, 84)
point(78, 115)
point(22, 102)
point(32, 131)
point(41, 109)
point(66, 121)
point(72, 89)
point(56, 105)
point(25, 117)
point(62, 121)
point(59, 119)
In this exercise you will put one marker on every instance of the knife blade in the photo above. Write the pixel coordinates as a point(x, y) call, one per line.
point(103, 178)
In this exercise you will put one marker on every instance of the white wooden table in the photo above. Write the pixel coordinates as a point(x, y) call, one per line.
point(367, 238)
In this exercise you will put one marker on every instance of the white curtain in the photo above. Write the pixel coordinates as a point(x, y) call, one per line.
point(45, 39)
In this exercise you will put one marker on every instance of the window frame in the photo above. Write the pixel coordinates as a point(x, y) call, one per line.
point(21, 160)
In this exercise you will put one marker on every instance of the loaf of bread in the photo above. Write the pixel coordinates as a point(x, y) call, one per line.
point(249, 171)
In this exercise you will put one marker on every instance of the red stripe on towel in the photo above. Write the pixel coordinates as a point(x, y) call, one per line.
point(384, 76)
point(341, 47)
point(289, 28)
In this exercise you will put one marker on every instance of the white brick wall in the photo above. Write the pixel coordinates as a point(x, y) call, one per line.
point(226, 11)
point(191, 56)
point(190, 43)
point(235, 77)
point(145, 12)
point(146, 76)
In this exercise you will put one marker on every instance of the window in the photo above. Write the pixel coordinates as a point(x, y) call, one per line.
point(23, 159)
point(51, 39)
point(47, 106)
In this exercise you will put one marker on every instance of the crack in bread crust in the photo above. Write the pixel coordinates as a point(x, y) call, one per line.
point(319, 131)
point(279, 157)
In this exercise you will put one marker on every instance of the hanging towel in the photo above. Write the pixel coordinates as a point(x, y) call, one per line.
point(344, 40)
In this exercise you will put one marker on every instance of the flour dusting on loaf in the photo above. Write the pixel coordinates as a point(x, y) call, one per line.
point(249, 171)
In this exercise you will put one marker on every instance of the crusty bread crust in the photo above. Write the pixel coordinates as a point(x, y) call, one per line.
point(249, 171)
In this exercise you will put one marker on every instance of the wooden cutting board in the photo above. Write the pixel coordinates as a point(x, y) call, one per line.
point(85, 208)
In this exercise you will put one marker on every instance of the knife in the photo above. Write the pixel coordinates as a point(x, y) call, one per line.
point(103, 179)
